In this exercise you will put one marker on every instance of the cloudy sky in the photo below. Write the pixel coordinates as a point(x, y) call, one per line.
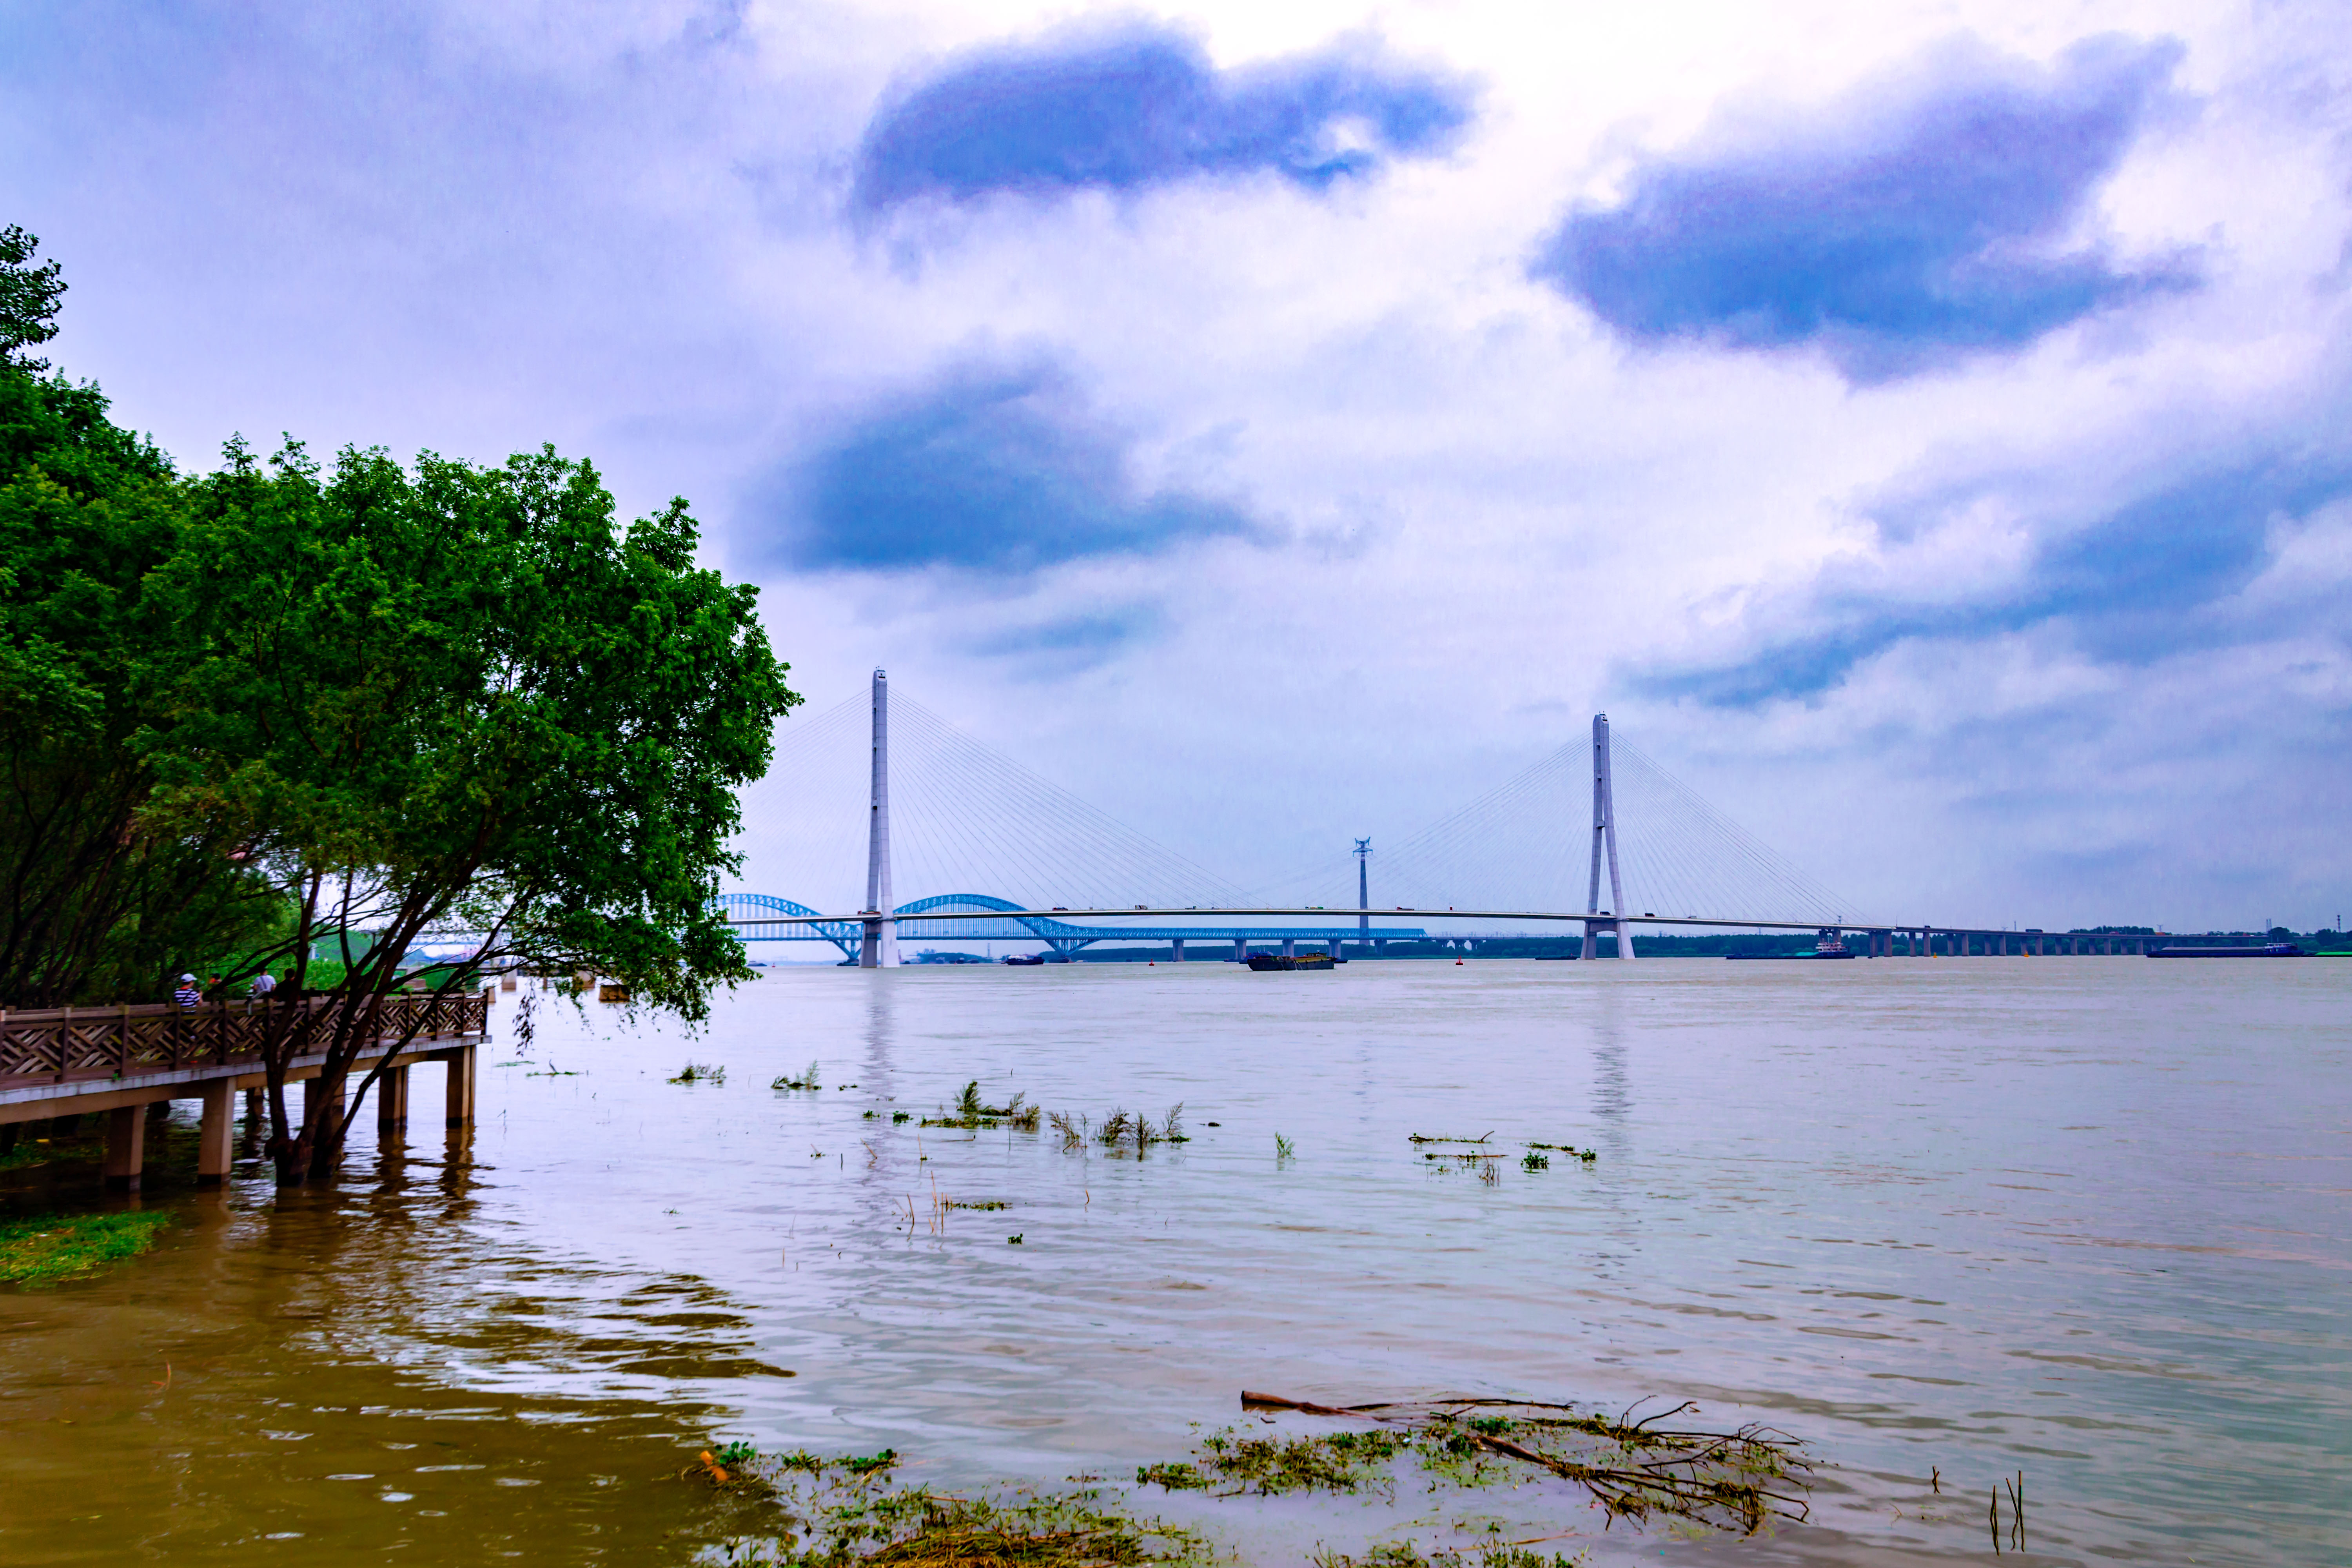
point(1923, 427)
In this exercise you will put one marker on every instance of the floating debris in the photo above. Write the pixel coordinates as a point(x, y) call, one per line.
point(700, 1072)
point(1423, 1138)
point(1735, 1481)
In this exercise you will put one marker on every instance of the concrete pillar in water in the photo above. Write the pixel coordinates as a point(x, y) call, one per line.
point(126, 1147)
point(1241, 949)
point(392, 1105)
point(216, 1133)
point(1177, 956)
point(1289, 947)
point(880, 948)
point(461, 1086)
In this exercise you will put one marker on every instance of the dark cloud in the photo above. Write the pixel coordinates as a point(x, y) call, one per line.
point(2142, 583)
point(1142, 106)
point(1919, 222)
point(990, 469)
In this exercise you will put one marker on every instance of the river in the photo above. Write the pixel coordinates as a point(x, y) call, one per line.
point(1946, 1221)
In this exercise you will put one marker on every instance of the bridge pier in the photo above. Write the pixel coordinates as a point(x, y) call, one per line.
point(1289, 947)
point(392, 1105)
point(1241, 949)
point(216, 1133)
point(461, 1086)
point(1177, 956)
point(126, 1147)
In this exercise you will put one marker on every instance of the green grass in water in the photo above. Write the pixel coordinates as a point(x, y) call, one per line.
point(49, 1247)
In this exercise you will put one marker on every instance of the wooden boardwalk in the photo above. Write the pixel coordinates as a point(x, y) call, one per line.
point(66, 1061)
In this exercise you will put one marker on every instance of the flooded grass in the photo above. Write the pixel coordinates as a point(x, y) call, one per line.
point(1232, 1462)
point(972, 1115)
point(835, 1512)
point(807, 1080)
point(1123, 1131)
point(1405, 1555)
point(57, 1149)
point(699, 1072)
point(46, 1248)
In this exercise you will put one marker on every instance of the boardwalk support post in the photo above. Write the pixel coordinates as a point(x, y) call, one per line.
point(461, 1086)
point(216, 1132)
point(392, 1104)
point(126, 1147)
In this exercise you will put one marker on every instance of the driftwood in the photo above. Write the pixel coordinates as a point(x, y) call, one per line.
point(1737, 1480)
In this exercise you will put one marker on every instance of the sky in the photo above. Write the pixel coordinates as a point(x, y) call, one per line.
point(1920, 426)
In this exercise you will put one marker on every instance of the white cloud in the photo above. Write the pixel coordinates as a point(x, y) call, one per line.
point(621, 230)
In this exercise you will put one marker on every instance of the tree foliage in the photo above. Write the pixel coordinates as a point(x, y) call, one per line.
point(93, 906)
point(460, 701)
point(29, 298)
point(283, 710)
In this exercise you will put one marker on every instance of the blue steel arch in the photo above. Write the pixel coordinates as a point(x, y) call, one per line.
point(747, 908)
point(1059, 936)
point(993, 919)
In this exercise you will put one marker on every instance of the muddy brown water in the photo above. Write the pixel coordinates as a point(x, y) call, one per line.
point(2084, 1219)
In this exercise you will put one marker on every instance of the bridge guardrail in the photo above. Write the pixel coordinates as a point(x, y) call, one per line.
point(62, 1045)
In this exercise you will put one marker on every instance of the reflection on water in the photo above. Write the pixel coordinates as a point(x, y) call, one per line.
point(2080, 1218)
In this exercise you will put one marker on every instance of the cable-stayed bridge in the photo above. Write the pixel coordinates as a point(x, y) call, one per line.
point(1596, 834)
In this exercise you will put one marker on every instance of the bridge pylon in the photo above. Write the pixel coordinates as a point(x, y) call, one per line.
point(879, 950)
point(1604, 837)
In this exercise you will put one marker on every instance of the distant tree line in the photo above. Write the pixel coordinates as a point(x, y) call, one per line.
point(249, 714)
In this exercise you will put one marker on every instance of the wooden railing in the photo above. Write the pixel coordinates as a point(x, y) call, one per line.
point(59, 1045)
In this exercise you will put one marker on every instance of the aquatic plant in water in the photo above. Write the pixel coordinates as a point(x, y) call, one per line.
point(807, 1079)
point(971, 1114)
point(1405, 1554)
point(700, 1072)
point(836, 1513)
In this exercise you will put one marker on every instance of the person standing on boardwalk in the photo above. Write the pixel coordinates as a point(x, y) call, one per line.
point(187, 996)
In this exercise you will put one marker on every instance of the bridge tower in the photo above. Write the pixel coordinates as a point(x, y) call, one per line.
point(1604, 836)
point(880, 948)
point(1364, 889)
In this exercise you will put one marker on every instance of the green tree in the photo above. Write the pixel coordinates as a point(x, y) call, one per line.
point(29, 298)
point(460, 701)
point(93, 906)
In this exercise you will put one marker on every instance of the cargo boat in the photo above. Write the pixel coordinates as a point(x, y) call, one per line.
point(2268, 950)
point(1830, 946)
point(1265, 960)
